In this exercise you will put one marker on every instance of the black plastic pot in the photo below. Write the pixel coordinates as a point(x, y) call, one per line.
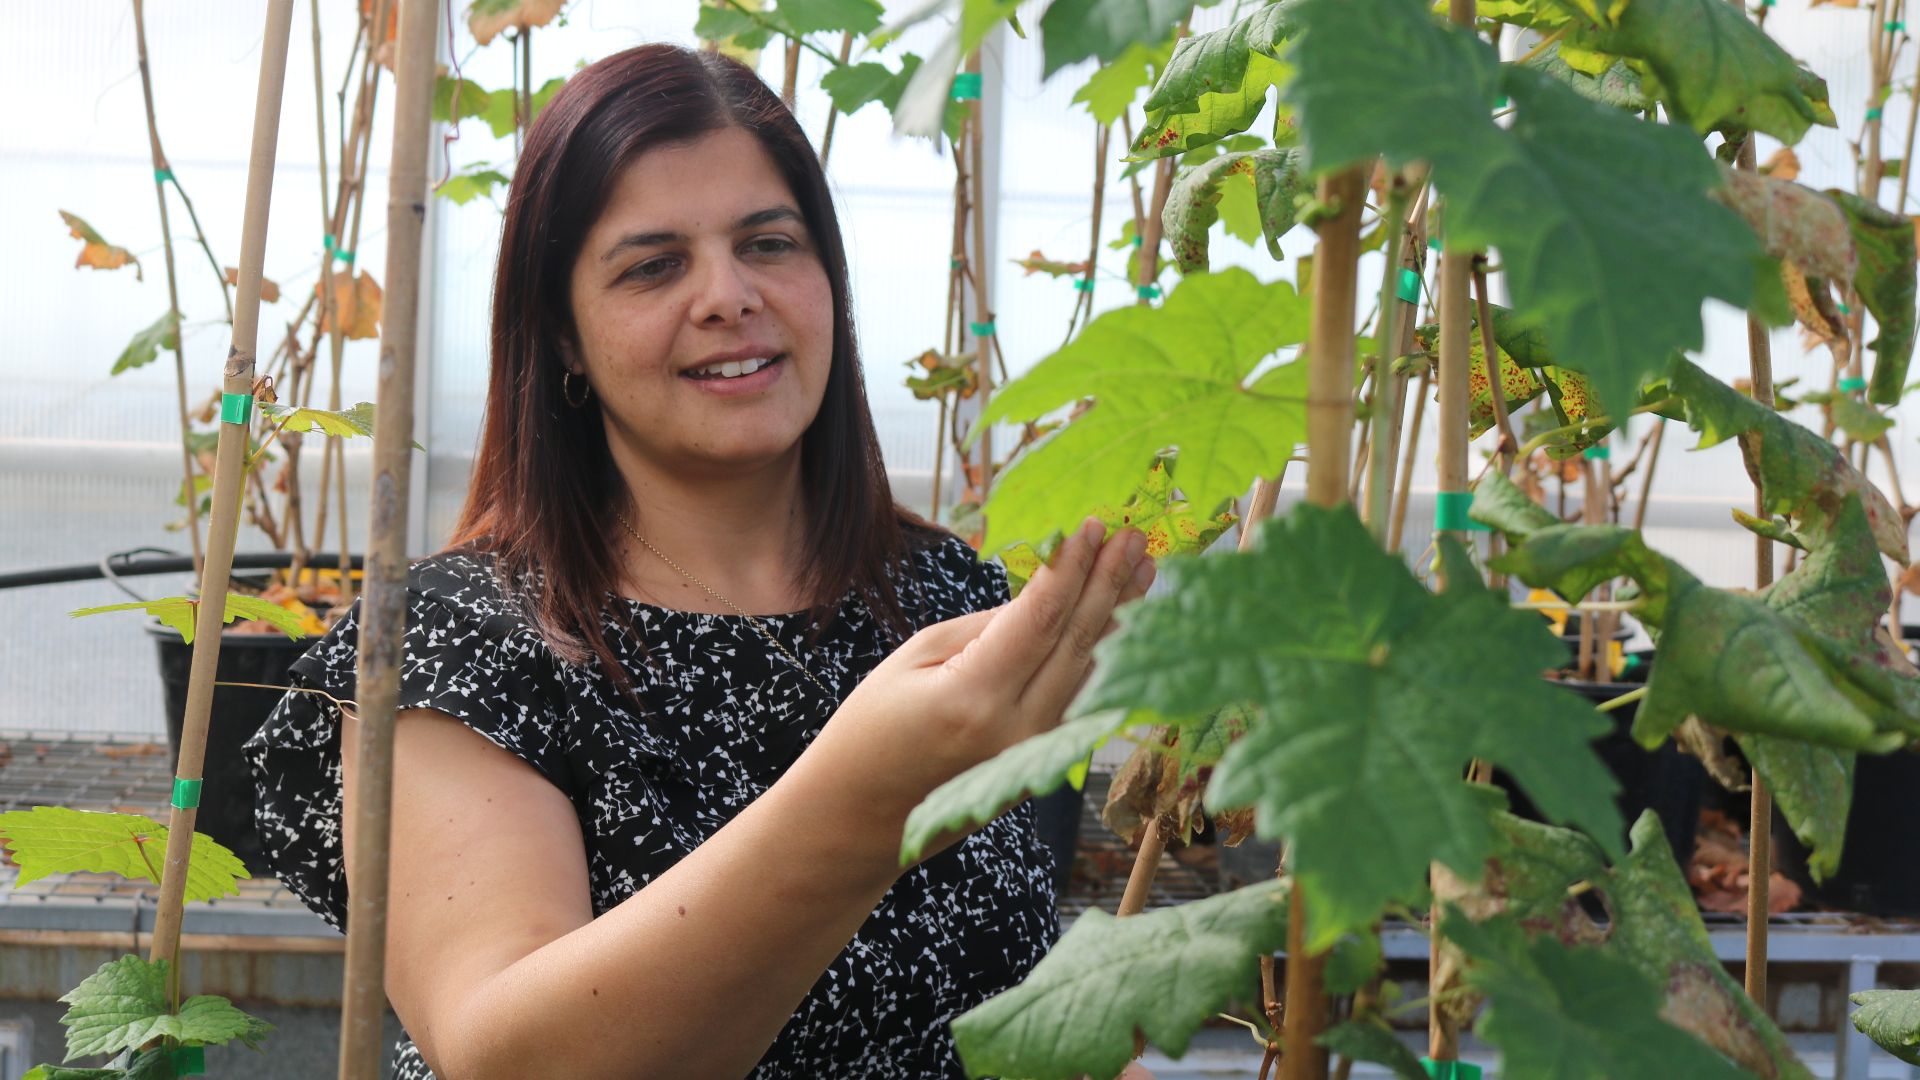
point(1667, 781)
point(1879, 873)
point(226, 797)
point(1571, 638)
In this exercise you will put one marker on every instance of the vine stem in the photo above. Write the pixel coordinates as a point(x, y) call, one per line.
point(188, 495)
point(1760, 821)
point(1646, 482)
point(1386, 386)
point(833, 115)
point(383, 620)
point(228, 476)
point(1329, 422)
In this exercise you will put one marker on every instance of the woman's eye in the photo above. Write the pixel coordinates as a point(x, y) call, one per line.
point(771, 245)
point(651, 270)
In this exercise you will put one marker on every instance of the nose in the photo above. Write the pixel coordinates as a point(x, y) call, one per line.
point(726, 293)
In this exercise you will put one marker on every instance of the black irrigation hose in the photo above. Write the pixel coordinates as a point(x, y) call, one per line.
point(156, 561)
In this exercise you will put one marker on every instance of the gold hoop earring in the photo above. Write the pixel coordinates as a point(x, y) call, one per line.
point(566, 390)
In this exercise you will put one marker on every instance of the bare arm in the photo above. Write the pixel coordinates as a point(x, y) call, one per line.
point(495, 963)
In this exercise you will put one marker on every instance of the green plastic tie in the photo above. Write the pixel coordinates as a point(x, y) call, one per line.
point(1896, 26)
point(1852, 384)
point(1147, 292)
point(1433, 242)
point(1450, 513)
point(1500, 102)
point(236, 409)
point(1602, 452)
point(1409, 285)
point(162, 175)
point(189, 1060)
point(1766, 3)
point(980, 329)
point(966, 86)
point(1873, 113)
point(1842, 308)
point(1450, 1070)
point(956, 264)
point(327, 241)
point(1138, 240)
point(186, 793)
point(1083, 285)
point(344, 256)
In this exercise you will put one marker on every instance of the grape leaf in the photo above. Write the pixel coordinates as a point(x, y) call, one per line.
point(455, 99)
point(1216, 85)
point(56, 1072)
point(1342, 649)
point(1373, 1040)
point(1073, 30)
point(1174, 375)
point(1603, 222)
point(1034, 766)
point(1194, 202)
point(1890, 1018)
point(1794, 223)
point(471, 183)
point(1162, 973)
point(124, 1004)
point(1573, 1014)
point(1710, 64)
point(56, 840)
point(817, 16)
point(1617, 86)
point(146, 345)
point(1110, 90)
point(357, 302)
point(487, 18)
point(180, 612)
point(919, 111)
point(95, 251)
point(854, 86)
point(1886, 283)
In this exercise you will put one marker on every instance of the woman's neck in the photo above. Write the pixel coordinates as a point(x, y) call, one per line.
point(742, 534)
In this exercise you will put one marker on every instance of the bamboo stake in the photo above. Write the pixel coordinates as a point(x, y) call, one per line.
point(1760, 821)
point(982, 302)
point(826, 140)
point(1913, 114)
point(1395, 529)
point(1386, 385)
point(790, 83)
point(228, 481)
point(1329, 420)
point(1646, 482)
point(384, 608)
point(161, 171)
point(1083, 299)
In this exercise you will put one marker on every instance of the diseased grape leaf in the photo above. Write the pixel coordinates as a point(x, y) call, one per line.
point(1573, 193)
point(179, 612)
point(1161, 377)
point(56, 840)
point(1617, 86)
point(96, 252)
point(1216, 84)
point(1573, 1014)
point(1886, 284)
point(1162, 973)
point(488, 18)
point(1341, 649)
point(1890, 1018)
point(146, 345)
point(357, 301)
point(820, 16)
point(1793, 223)
point(125, 1004)
point(1195, 200)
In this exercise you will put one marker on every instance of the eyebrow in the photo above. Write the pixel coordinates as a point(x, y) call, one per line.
point(656, 239)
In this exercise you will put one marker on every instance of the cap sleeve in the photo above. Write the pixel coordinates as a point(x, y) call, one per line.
point(465, 654)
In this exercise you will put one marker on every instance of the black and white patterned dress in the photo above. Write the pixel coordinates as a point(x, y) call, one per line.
point(726, 717)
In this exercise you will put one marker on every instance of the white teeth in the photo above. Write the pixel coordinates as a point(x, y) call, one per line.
point(733, 369)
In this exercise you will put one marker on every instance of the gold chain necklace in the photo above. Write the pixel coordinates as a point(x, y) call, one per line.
point(757, 625)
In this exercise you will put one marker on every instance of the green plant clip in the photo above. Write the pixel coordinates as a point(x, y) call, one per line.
point(1842, 308)
point(1601, 452)
point(966, 86)
point(1450, 513)
point(189, 1060)
point(1433, 243)
point(955, 264)
point(236, 409)
point(327, 241)
point(1409, 289)
point(1450, 1070)
point(162, 175)
point(1896, 26)
point(1138, 240)
point(1873, 113)
point(186, 793)
point(1852, 384)
point(980, 329)
point(1500, 102)
point(344, 256)
point(1147, 292)
point(1083, 284)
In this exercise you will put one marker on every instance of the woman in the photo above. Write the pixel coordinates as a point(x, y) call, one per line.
point(671, 693)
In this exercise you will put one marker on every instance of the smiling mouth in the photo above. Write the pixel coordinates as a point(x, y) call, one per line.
point(717, 377)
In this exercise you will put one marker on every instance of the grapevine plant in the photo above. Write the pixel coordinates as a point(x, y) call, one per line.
point(1351, 705)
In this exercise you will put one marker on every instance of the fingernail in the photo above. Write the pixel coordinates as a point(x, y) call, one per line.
point(1143, 574)
point(1092, 530)
point(1136, 546)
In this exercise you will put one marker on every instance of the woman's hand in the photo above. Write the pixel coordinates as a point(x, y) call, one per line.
point(961, 691)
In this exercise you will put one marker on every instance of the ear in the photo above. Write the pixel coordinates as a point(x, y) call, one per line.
point(570, 357)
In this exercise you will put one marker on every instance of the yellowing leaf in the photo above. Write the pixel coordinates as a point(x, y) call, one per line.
point(357, 301)
point(487, 18)
point(49, 840)
point(269, 289)
point(1038, 263)
point(96, 252)
point(180, 613)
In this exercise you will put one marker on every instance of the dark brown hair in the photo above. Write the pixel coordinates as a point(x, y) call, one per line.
point(543, 479)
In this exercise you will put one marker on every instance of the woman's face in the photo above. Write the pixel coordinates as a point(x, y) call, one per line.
point(700, 269)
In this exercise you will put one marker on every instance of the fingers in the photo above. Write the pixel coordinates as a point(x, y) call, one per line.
point(1116, 574)
point(940, 642)
point(1027, 629)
